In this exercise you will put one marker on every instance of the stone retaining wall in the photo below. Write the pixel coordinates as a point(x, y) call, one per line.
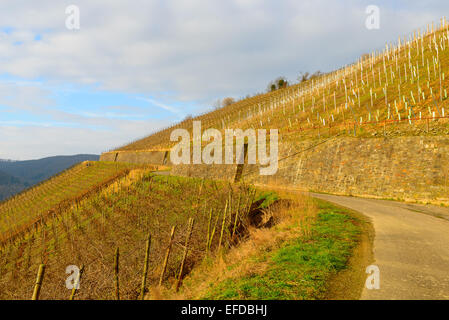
point(159, 157)
point(406, 168)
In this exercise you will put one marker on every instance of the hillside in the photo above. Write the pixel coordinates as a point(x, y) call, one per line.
point(34, 206)
point(122, 215)
point(400, 90)
point(208, 238)
point(6, 179)
point(10, 185)
point(28, 173)
point(193, 224)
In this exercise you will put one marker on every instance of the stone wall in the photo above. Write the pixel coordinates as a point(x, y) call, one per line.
point(406, 168)
point(156, 157)
point(217, 172)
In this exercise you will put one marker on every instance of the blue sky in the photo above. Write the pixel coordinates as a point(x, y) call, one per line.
point(135, 67)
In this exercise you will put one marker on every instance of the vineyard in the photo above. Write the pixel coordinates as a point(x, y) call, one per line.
point(194, 218)
point(136, 234)
point(401, 90)
point(34, 206)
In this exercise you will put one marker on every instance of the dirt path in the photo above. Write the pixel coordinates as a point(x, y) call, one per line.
point(411, 247)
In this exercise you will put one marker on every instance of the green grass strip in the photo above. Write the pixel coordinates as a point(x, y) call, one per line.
point(301, 268)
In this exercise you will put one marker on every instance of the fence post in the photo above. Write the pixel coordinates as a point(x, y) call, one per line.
point(222, 226)
point(236, 217)
point(38, 284)
point(189, 233)
point(77, 283)
point(208, 231)
point(116, 271)
point(167, 254)
point(145, 268)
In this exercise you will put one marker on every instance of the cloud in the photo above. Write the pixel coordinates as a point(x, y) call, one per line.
point(161, 105)
point(33, 141)
point(196, 50)
point(182, 54)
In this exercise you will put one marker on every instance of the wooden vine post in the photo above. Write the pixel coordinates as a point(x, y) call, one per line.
point(77, 283)
point(236, 216)
point(167, 255)
point(186, 247)
point(222, 226)
point(208, 238)
point(116, 271)
point(38, 284)
point(145, 267)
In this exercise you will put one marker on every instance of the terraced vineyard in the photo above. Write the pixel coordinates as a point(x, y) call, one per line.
point(401, 90)
point(100, 215)
point(121, 216)
point(31, 207)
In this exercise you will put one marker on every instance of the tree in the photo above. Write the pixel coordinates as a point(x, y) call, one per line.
point(282, 83)
point(227, 101)
point(305, 76)
point(316, 75)
point(218, 104)
point(278, 83)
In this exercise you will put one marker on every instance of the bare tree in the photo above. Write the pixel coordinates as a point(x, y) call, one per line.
point(227, 101)
point(305, 76)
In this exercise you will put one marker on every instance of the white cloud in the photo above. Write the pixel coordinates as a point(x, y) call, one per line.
point(37, 141)
point(197, 50)
point(161, 105)
point(178, 53)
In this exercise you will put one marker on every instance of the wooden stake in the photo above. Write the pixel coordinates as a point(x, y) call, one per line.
point(77, 283)
point(189, 234)
point(236, 216)
point(167, 254)
point(38, 284)
point(208, 230)
point(116, 271)
point(145, 268)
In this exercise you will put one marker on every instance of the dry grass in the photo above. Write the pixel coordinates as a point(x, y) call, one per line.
point(292, 217)
point(122, 215)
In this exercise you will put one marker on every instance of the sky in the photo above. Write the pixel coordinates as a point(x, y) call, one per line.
point(133, 67)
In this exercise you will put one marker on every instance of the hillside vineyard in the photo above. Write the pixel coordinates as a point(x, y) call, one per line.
point(402, 88)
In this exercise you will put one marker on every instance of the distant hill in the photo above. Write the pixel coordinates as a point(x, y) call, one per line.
point(10, 185)
point(16, 176)
point(6, 179)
